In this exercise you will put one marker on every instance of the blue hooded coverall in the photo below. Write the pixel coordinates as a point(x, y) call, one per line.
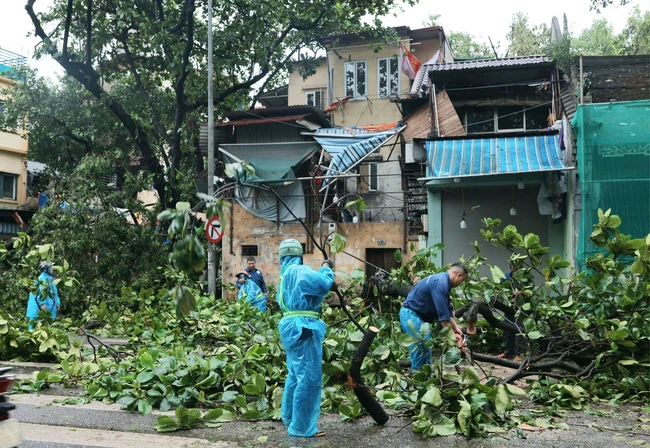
point(300, 295)
point(47, 295)
point(253, 293)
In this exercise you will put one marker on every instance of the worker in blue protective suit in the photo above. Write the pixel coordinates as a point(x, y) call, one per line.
point(47, 297)
point(429, 301)
point(249, 290)
point(300, 295)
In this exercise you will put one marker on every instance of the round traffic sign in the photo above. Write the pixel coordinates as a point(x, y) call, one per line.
point(213, 230)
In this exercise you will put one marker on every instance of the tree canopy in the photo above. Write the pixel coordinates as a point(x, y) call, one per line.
point(144, 62)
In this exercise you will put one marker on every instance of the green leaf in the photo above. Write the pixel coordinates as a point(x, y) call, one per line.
point(497, 274)
point(337, 243)
point(398, 255)
point(251, 415)
point(470, 376)
point(146, 361)
point(144, 407)
point(356, 337)
point(446, 427)
point(513, 390)
point(453, 356)
point(502, 400)
point(180, 206)
point(638, 267)
point(144, 377)
point(165, 424)
point(432, 397)
point(219, 415)
point(535, 335)
point(345, 410)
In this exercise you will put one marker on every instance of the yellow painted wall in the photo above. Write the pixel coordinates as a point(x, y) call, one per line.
point(298, 86)
point(250, 230)
point(13, 154)
point(359, 112)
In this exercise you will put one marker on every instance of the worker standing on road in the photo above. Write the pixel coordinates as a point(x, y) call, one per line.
point(47, 296)
point(300, 295)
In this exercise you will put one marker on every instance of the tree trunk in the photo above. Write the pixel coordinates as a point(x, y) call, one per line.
point(362, 391)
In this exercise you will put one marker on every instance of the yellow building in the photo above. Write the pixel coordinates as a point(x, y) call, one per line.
point(13, 145)
point(367, 72)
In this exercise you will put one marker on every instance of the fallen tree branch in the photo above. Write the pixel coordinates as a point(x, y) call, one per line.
point(360, 389)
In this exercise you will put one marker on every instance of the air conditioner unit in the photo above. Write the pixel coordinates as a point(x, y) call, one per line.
point(425, 221)
point(414, 152)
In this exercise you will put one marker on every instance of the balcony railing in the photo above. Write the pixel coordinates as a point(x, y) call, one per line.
point(10, 62)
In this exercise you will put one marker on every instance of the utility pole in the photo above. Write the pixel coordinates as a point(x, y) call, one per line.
point(212, 275)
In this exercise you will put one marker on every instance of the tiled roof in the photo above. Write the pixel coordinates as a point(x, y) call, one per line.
point(475, 64)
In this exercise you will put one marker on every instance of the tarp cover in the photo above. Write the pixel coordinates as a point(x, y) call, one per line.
point(349, 146)
point(490, 156)
point(614, 165)
point(273, 163)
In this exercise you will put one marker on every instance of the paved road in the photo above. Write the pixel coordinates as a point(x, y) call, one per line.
point(46, 424)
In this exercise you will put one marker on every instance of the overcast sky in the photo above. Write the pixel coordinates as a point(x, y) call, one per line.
point(477, 17)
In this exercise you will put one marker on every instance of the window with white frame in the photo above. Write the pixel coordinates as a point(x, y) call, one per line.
point(314, 98)
point(356, 79)
point(9, 184)
point(388, 76)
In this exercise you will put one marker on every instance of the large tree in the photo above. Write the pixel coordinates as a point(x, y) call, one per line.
point(145, 60)
point(635, 37)
point(525, 38)
point(464, 46)
point(597, 40)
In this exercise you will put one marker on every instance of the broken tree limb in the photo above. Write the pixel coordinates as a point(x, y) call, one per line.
point(363, 393)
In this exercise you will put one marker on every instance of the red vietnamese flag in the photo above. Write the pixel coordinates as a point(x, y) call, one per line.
point(410, 64)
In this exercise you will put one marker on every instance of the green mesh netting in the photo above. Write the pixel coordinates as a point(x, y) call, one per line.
point(614, 165)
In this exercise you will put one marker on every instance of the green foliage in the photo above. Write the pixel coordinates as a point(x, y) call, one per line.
point(464, 45)
point(153, 56)
point(526, 39)
point(107, 235)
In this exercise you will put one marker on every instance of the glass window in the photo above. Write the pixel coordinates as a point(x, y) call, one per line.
point(388, 76)
point(510, 118)
point(8, 183)
point(480, 119)
point(537, 118)
point(2, 107)
point(373, 178)
point(356, 79)
point(314, 98)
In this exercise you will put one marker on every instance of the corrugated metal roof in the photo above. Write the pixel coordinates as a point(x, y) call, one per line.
point(475, 64)
point(490, 63)
point(253, 121)
point(491, 156)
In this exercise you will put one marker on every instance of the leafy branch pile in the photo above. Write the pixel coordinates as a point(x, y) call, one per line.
point(586, 337)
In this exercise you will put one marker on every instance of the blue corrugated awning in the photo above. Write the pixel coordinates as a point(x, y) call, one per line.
point(491, 156)
point(348, 150)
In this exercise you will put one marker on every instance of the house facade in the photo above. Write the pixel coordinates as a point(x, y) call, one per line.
point(496, 148)
point(356, 152)
point(13, 153)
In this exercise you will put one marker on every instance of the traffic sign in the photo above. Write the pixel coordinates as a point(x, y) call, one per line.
point(213, 230)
